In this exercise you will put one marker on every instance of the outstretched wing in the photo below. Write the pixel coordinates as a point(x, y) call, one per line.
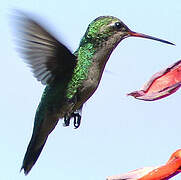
point(47, 57)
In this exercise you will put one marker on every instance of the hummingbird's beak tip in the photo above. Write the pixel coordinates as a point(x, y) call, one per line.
point(135, 34)
point(170, 43)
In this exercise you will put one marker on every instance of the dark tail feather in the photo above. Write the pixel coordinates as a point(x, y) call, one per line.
point(31, 156)
point(44, 124)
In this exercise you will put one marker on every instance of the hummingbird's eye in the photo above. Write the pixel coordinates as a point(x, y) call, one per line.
point(118, 25)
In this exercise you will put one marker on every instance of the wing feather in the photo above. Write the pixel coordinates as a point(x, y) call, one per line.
point(47, 57)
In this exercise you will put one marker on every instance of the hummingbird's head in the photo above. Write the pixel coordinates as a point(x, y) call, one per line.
point(105, 28)
point(113, 30)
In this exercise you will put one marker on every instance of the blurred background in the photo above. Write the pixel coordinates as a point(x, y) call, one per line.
point(117, 133)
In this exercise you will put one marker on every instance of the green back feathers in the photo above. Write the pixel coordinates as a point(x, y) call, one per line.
point(98, 31)
point(85, 54)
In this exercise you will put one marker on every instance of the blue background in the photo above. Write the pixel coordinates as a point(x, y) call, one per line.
point(118, 133)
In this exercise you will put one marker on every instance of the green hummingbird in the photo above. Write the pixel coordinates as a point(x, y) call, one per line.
point(70, 78)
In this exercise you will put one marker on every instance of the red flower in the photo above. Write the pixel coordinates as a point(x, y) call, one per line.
point(161, 84)
point(163, 172)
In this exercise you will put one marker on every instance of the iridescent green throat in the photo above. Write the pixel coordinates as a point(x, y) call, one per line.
point(85, 54)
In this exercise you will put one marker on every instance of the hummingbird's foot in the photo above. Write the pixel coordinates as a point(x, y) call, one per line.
point(66, 121)
point(77, 119)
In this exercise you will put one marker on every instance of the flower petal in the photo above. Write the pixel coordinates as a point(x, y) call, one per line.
point(161, 84)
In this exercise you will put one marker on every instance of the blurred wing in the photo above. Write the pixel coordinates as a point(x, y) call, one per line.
point(132, 175)
point(47, 57)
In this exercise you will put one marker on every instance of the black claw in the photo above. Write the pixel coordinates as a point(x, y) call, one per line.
point(77, 120)
point(66, 121)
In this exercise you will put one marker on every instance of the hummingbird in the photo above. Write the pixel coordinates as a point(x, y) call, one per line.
point(70, 78)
